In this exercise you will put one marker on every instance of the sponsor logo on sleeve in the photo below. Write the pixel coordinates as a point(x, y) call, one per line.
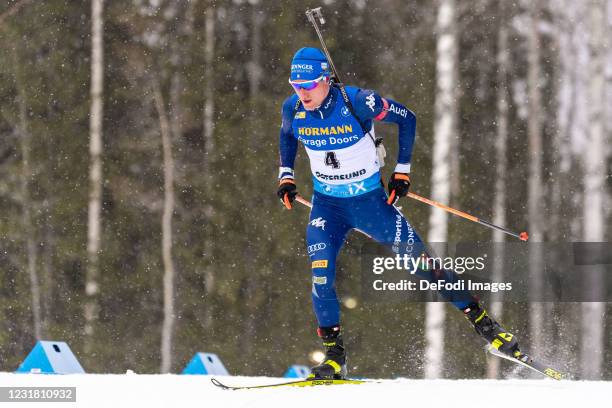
point(403, 112)
point(370, 101)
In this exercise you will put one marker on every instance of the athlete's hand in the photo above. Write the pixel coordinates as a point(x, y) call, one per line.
point(398, 186)
point(287, 192)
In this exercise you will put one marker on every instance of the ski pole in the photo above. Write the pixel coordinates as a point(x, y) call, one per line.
point(316, 13)
point(302, 200)
point(313, 15)
point(523, 236)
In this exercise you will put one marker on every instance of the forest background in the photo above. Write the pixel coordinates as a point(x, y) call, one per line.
point(139, 160)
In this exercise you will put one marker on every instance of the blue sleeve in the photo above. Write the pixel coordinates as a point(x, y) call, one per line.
point(368, 105)
point(288, 144)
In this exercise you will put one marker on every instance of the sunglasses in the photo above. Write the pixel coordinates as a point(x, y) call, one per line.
point(307, 85)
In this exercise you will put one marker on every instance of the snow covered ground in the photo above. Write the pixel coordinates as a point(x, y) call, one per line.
point(133, 390)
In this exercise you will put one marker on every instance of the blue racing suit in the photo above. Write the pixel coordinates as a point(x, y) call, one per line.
point(348, 191)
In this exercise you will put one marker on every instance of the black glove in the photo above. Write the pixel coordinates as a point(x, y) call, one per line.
point(399, 183)
point(286, 192)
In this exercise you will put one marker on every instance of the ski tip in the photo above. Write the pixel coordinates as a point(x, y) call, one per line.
point(524, 236)
point(529, 362)
point(218, 383)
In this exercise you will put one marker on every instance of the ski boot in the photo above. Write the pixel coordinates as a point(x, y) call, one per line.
point(491, 331)
point(333, 366)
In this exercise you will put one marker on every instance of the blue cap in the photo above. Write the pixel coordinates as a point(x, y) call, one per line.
point(308, 63)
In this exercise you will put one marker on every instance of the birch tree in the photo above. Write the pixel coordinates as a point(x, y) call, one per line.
point(166, 224)
point(209, 90)
point(254, 69)
point(92, 289)
point(209, 148)
point(171, 129)
point(534, 184)
point(501, 167)
point(31, 252)
point(567, 24)
point(444, 130)
point(563, 13)
point(593, 322)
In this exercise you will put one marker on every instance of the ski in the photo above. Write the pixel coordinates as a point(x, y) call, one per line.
point(296, 383)
point(529, 362)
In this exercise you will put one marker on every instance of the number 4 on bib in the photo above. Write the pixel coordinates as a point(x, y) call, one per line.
point(331, 160)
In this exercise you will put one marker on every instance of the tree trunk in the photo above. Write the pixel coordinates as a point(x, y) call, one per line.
point(248, 287)
point(501, 140)
point(209, 151)
point(26, 201)
point(209, 96)
point(95, 172)
point(47, 276)
point(444, 130)
point(567, 24)
point(169, 314)
point(593, 322)
point(535, 196)
point(254, 69)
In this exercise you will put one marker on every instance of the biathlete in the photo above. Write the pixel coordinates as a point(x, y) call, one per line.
point(338, 135)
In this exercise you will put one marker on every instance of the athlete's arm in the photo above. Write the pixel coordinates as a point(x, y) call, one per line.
point(370, 106)
point(288, 144)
